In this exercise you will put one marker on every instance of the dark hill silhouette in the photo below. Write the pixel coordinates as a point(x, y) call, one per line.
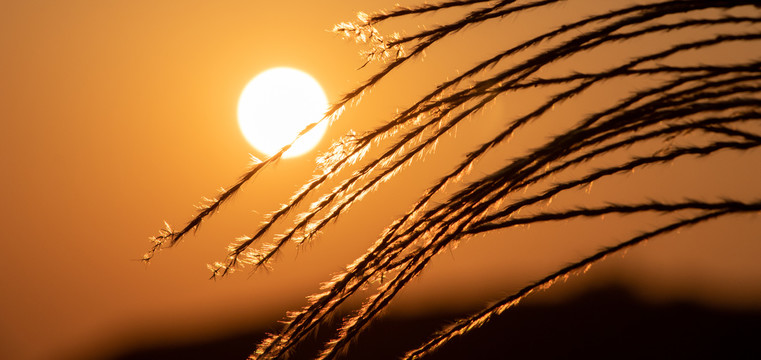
point(608, 323)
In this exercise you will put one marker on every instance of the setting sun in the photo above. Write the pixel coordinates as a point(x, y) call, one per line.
point(276, 105)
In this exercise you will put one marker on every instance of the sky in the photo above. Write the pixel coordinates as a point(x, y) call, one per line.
point(120, 115)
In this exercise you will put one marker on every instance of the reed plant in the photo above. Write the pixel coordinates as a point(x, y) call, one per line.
point(674, 109)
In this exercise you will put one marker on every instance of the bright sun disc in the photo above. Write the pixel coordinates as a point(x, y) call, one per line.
point(276, 105)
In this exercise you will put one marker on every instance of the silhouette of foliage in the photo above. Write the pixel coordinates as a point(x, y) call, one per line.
point(675, 109)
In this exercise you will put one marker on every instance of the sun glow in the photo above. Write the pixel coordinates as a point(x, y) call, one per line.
point(276, 105)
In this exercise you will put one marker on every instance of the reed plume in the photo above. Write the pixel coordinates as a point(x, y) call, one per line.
point(678, 109)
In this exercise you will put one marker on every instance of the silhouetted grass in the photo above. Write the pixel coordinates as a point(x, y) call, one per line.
point(686, 110)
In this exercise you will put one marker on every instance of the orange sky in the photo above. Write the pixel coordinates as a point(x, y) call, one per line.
point(119, 115)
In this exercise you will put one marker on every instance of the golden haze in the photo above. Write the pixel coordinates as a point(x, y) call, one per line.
point(119, 115)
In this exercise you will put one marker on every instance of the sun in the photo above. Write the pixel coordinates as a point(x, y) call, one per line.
point(276, 105)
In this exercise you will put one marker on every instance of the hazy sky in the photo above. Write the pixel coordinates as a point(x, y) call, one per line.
point(118, 115)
